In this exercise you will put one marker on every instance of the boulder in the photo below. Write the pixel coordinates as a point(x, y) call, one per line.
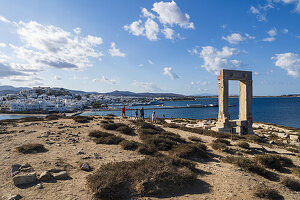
point(45, 176)
point(85, 167)
point(15, 169)
point(60, 175)
point(15, 197)
point(24, 179)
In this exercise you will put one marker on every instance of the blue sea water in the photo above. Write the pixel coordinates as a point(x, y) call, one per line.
point(283, 111)
point(278, 110)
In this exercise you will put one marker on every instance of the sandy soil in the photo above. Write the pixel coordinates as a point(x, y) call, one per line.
point(64, 138)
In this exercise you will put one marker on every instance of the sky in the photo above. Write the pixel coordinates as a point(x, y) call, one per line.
point(150, 46)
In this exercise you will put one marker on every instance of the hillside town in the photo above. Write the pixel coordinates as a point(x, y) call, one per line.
point(59, 100)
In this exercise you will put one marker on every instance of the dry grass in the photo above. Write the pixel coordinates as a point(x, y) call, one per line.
point(243, 144)
point(192, 151)
point(100, 137)
point(126, 130)
point(296, 171)
point(267, 193)
point(112, 126)
point(31, 148)
point(220, 140)
point(147, 149)
point(291, 183)
point(274, 161)
point(151, 176)
point(129, 145)
point(82, 119)
point(247, 164)
point(195, 139)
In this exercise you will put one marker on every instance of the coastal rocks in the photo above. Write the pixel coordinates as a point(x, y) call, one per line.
point(45, 176)
point(85, 167)
point(60, 175)
point(15, 197)
point(24, 179)
point(295, 137)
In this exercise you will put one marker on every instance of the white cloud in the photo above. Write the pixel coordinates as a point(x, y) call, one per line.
point(113, 51)
point(254, 10)
point(3, 19)
point(150, 62)
point(52, 46)
point(223, 26)
point(2, 44)
point(146, 13)
point(169, 33)
point(269, 39)
point(298, 36)
point(194, 51)
point(259, 13)
point(25, 79)
point(170, 14)
point(58, 78)
point(272, 32)
point(151, 29)
point(214, 60)
point(135, 28)
point(296, 2)
point(107, 80)
point(169, 72)
point(202, 83)
point(6, 70)
point(289, 62)
point(285, 30)
point(77, 30)
point(141, 65)
point(234, 38)
point(249, 36)
point(147, 86)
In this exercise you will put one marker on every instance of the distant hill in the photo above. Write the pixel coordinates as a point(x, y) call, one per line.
point(6, 89)
point(146, 94)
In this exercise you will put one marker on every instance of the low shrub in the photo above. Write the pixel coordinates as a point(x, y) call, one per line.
point(146, 149)
point(195, 139)
point(31, 119)
point(247, 164)
point(294, 150)
point(125, 130)
point(274, 161)
point(291, 183)
point(101, 137)
point(267, 193)
point(129, 145)
point(112, 126)
point(31, 148)
point(296, 171)
point(82, 119)
point(151, 176)
point(220, 140)
point(106, 121)
point(254, 138)
point(172, 125)
point(191, 151)
point(243, 144)
point(219, 146)
point(52, 117)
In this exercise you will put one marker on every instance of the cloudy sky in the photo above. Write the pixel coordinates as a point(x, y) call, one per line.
point(150, 46)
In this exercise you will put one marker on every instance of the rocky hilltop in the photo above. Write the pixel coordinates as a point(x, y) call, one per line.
point(123, 158)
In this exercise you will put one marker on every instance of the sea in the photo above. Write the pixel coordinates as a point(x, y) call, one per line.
point(278, 110)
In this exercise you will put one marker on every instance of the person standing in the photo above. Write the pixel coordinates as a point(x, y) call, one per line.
point(123, 111)
point(142, 114)
point(154, 117)
point(136, 114)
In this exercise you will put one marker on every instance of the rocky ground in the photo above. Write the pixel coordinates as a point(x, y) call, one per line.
point(60, 171)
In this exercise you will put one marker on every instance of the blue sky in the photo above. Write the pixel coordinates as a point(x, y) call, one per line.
point(150, 46)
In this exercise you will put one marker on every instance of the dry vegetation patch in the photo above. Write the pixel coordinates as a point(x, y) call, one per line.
point(247, 164)
point(31, 148)
point(195, 139)
point(267, 193)
point(129, 145)
point(82, 119)
point(151, 176)
point(272, 161)
point(296, 171)
point(100, 137)
point(291, 183)
point(243, 144)
point(191, 151)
